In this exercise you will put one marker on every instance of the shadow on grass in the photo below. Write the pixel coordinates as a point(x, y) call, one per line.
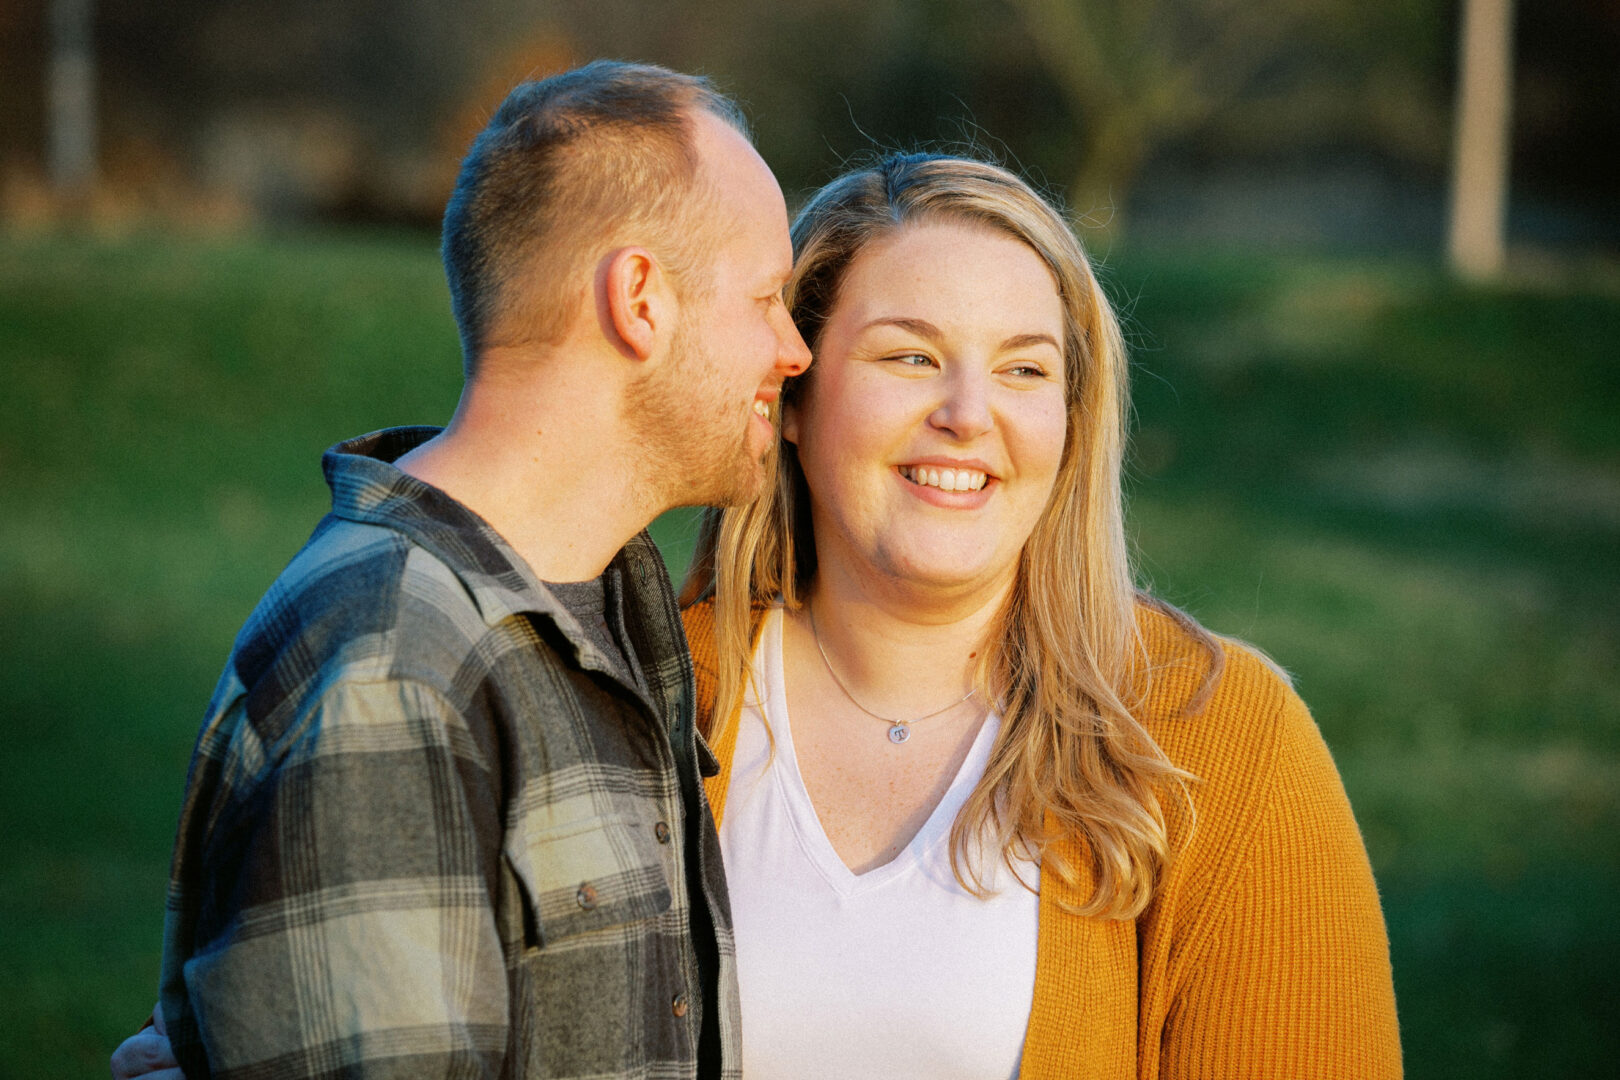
point(1507, 977)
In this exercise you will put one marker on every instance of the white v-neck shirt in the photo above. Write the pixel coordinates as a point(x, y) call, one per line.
point(898, 972)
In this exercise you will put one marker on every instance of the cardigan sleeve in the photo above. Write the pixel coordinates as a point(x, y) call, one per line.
point(1289, 976)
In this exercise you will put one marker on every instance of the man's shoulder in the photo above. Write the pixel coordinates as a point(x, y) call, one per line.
point(359, 602)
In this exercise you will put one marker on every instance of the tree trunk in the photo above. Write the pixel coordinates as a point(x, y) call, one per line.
point(1111, 156)
point(71, 98)
point(1479, 174)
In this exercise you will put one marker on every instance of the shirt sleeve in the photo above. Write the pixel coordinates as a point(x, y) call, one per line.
point(1290, 976)
point(332, 910)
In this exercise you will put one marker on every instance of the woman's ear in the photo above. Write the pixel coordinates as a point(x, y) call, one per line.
point(632, 299)
point(790, 423)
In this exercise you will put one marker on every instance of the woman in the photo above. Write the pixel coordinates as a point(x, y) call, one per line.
point(981, 801)
point(987, 810)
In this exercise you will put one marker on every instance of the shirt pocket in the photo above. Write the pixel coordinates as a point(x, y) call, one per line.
point(588, 874)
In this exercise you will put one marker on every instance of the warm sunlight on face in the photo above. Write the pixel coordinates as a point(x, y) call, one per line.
point(932, 426)
point(706, 418)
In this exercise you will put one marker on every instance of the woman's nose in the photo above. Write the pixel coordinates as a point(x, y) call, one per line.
point(964, 411)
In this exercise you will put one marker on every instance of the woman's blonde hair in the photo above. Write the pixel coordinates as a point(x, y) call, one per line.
point(1064, 661)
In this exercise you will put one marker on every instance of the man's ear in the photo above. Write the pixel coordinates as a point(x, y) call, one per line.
point(633, 301)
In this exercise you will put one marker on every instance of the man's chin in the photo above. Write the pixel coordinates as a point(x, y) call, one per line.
point(743, 484)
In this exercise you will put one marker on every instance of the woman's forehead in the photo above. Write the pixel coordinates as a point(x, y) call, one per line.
point(949, 273)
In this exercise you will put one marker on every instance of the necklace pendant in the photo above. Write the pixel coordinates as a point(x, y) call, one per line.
point(899, 733)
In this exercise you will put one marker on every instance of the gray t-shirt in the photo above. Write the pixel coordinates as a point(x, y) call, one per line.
point(598, 604)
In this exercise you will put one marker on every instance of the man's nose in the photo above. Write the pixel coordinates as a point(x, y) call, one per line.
point(792, 354)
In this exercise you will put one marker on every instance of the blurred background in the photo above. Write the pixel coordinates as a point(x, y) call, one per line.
point(1367, 252)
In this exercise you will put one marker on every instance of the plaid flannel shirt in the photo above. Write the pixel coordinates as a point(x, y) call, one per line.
point(431, 830)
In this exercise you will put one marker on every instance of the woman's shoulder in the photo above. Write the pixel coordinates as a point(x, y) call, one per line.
point(1218, 708)
point(1262, 777)
point(1188, 667)
point(1268, 897)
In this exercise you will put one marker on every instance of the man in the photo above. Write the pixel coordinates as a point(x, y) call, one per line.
point(445, 818)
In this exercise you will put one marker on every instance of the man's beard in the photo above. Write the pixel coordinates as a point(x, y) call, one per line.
point(691, 436)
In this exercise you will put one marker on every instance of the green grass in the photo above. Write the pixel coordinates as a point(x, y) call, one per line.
point(1407, 492)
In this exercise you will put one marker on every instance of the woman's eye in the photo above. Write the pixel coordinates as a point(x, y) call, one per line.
point(1032, 371)
point(915, 360)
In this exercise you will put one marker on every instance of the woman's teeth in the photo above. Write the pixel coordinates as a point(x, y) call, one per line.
point(944, 479)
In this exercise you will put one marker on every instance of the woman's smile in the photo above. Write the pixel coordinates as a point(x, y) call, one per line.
point(957, 488)
point(945, 477)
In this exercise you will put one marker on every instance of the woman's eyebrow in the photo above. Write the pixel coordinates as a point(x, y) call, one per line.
point(924, 329)
point(921, 327)
point(1024, 341)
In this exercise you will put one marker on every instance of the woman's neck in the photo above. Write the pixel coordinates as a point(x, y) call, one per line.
point(897, 651)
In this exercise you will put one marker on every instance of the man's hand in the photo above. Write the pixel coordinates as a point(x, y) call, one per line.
point(147, 1053)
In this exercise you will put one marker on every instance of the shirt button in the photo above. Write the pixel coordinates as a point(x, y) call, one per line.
point(586, 896)
point(661, 830)
point(678, 1006)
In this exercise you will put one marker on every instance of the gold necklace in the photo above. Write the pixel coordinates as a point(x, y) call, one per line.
point(899, 730)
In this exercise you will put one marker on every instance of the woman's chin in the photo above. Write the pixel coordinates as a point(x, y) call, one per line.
point(927, 574)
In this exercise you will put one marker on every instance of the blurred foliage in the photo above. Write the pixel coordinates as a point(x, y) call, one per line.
point(301, 108)
point(1139, 74)
point(1406, 492)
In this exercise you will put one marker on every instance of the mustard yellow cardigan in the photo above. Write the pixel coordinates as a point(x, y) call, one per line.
point(1263, 953)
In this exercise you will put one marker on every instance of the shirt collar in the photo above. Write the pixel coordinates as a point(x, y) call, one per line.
point(367, 487)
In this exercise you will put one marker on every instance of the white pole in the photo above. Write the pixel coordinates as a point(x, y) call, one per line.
point(71, 97)
point(1479, 173)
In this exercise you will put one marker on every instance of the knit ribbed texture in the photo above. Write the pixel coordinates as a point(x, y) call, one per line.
point(1263, 954)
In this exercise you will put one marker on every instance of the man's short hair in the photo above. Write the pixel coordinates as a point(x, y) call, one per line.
point(602, 153)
